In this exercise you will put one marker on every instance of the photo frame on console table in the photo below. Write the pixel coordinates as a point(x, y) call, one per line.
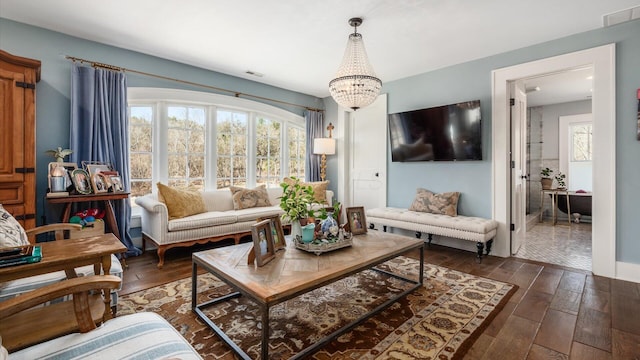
point(356, 220)
point(262, 236)
point(277, 233)
point(99, 183)
point(81, 181)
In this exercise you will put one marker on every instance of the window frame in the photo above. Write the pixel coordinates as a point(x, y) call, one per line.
point(161, 98)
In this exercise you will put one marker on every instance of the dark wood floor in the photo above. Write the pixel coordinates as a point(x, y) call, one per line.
point(557, 312)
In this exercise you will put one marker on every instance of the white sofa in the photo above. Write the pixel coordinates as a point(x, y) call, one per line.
point(220, 221)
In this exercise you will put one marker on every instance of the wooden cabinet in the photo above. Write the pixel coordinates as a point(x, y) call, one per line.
point(18, 77)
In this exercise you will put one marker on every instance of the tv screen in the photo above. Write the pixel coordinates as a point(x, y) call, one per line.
point(442, 133)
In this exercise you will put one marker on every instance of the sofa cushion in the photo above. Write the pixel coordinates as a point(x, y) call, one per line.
point(11, 232)
point(180, 203)
point(255, 213)
point(244, 198)
point(429, 202)
point(210, 218)
point(319, 188)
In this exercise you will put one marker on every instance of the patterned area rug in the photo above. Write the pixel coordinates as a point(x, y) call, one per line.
point(440, 320)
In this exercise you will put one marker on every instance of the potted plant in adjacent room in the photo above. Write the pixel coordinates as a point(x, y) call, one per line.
point(560, 178)
point(546, 179)
point(295, 201)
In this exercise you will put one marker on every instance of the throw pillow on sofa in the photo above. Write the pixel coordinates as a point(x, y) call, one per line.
point(319, 188)
point(429, 202)
point(244, 198)
point(180, 203)
point(11, 232)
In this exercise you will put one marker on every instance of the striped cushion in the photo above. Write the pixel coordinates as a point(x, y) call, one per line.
point(14, 288)
point(137, 336)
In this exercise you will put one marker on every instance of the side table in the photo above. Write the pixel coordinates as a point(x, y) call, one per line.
point(554, 198)
point(110, 218)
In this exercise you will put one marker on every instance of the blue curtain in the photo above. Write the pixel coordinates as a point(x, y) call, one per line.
point(99, 130)
point(314, 129)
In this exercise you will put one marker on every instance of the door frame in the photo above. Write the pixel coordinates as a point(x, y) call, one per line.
point(602, 59)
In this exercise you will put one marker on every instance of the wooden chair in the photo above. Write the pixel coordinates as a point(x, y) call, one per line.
point(34, 333)
point(22, 325)
point(61, 232)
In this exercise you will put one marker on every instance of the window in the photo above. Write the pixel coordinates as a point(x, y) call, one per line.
point(186, 140)
point(140, 159)
point(232, 149)
point(268, 134)
point(297, 151)
point(581, 142)
point(208, 141)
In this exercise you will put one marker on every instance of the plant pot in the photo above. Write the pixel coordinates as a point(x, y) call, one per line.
point(296, 230)
point(546, 183)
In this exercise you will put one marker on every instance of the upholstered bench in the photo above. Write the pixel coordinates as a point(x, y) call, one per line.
point(480, 230)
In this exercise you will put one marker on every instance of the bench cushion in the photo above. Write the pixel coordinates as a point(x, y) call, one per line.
point(462, 227)
point(138, 336)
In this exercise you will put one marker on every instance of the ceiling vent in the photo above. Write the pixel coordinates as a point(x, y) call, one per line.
point(619, 17)
point(254, 73)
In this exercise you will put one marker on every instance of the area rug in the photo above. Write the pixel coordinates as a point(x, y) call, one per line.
point(440, 320)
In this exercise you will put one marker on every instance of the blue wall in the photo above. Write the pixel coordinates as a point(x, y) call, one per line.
point(53, 90)
point(472, 80)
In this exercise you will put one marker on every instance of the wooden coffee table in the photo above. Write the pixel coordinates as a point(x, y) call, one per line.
point(294, 272)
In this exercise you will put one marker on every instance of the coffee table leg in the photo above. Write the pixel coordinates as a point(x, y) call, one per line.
point(265, 332)
point(194, 285)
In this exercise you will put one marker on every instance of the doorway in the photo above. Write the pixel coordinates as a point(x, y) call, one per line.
point(558, 131)
point(602, 60)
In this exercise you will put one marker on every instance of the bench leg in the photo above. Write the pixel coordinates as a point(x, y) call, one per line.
point(418, 234)
point(384, 228)
point(480, 247)
point(372, 226)
point(429, 239)
point(489, 243)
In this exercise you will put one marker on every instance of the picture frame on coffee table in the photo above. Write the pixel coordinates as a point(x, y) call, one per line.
point(277, 232)
point(262, 236)
point(356, 220)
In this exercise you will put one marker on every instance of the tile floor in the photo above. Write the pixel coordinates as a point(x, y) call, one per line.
point(561, 244)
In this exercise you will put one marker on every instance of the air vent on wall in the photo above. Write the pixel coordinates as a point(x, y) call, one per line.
point(621, 16)
point(254, 73)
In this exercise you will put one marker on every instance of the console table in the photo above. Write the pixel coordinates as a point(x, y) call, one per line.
point(106, 198)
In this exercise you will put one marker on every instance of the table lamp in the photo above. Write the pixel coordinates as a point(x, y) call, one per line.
point(324, 147)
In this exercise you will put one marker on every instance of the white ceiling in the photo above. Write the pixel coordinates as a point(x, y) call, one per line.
point(298, 45)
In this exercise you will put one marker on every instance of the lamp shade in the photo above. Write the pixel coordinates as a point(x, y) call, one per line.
point(325, 146)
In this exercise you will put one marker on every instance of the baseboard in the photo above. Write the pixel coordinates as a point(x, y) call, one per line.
point(628, 271)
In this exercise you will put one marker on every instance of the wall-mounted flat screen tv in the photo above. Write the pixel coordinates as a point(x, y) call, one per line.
point(443, 133)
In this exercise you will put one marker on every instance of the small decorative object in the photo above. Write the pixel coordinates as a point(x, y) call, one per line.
point(116, 183)
point(546, 179)
point(308, 232)
point(279, 241)
point(263, 249)
point(560, 179)
point(81, 181)
point(100, 183)
point(356, 220)
point(93, 167)
point(295, 201)
point(59, 153)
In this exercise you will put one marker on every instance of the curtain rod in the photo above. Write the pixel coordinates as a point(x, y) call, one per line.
point(235, 93)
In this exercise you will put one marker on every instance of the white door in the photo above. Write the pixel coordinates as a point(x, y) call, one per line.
point(518, 165)
point(368, 149)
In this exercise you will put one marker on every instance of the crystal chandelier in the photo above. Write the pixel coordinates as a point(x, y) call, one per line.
point(356, 84)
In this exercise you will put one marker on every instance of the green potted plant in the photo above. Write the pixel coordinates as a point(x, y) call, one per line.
point(546, 179)
point(295, 201)
point(560, 179)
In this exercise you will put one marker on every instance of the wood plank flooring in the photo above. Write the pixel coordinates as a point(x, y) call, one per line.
point(557, 312)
